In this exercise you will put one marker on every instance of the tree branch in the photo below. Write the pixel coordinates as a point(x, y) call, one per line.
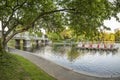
point(50, 12)
point(33, 22)
point(13, 27)
point(13, 11)
point(10, 30)
point(18, 31)
point(2, 27)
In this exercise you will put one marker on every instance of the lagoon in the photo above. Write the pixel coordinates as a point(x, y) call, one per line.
point(91, 62)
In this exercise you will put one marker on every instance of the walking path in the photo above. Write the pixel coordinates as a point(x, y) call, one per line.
point(57, 71)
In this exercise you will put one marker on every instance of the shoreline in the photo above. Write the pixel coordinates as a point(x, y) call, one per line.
point(63, 68)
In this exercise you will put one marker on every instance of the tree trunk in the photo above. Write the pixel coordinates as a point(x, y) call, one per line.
point(2, 46)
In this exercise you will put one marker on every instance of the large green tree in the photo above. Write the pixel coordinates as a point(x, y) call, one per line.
point(84, 16)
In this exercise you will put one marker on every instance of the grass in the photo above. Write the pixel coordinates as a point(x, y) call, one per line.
point(14, 67)
point(11, 43)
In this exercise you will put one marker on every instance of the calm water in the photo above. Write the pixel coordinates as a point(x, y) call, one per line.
point(100, 63)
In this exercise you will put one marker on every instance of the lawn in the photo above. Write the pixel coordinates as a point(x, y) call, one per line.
point(14, 67)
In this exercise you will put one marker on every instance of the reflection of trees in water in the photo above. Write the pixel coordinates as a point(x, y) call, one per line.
point(59, 50)
point(41, 50)
point(73, 54)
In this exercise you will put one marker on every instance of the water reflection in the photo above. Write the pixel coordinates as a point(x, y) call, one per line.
point(58, 50)
point(73, 53)
point(91, 61)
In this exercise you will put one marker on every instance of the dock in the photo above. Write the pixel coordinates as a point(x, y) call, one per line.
point(104, 47)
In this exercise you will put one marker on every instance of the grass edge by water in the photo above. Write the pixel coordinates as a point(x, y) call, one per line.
point(17, 67)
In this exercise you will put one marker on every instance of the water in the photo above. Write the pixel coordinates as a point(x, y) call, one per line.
point(97, 63)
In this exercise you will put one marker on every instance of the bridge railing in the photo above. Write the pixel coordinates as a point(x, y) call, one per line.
point(18, 36)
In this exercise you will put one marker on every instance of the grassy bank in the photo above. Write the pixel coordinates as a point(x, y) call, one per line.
point(14, 67)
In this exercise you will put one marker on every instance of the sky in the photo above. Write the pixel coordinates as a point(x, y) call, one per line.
point(113, 24)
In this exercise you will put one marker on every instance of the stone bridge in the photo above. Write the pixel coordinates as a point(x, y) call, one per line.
point(27, 40)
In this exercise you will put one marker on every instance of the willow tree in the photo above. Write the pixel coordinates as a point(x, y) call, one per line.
point(84, 16)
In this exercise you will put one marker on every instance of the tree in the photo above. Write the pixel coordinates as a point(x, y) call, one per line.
point(67, 34)
point(54, 36)
point(22, 15)
point(84, 16)
point(117, 36)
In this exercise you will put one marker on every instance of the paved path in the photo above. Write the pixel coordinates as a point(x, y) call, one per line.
point(59, 72)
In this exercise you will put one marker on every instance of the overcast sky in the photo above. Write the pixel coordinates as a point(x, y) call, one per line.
point(113, 24)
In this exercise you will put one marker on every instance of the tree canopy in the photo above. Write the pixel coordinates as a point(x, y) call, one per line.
point(84, 16)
